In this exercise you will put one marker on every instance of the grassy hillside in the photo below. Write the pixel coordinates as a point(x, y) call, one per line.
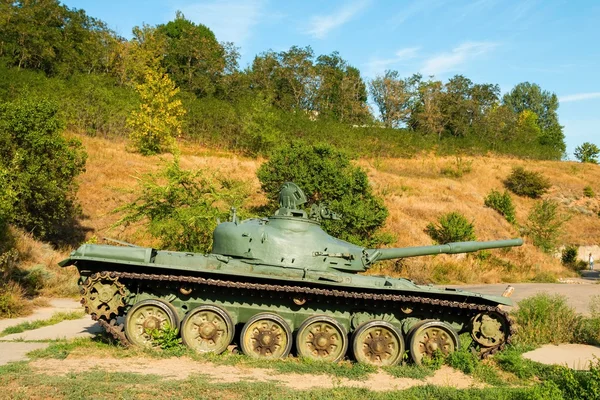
point(416, 191)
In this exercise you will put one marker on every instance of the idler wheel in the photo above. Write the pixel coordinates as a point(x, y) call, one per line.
point(266, 335)
point(378, 343)
point(148, 315)
point(322, 338)
point(207, 329)
point(428, 337)
point(489, 329)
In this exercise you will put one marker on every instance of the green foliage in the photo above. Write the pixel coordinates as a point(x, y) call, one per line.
point(182, 207)
point(326, 175)
point(260, 129)
point(158, 120)
point(501, 202)
point(577, 384)
point(545, 318)
point(587, 153)
point(166, 338)
point(527, 183)
point(588, 191)
point(451, 227)
point(569, 255)
point(544, 224)
point(39, 169)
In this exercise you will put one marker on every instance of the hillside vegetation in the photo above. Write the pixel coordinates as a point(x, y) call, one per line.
point(416, 191)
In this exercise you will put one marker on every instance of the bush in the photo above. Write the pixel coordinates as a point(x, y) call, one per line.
point(545, 225)
point(182, 207)
point(39, 166)
point(569, 255)
point(451, 227)
point(501, 202)
point(545, 318)
point(326, 175)
point(526, 183)
point(588, 191)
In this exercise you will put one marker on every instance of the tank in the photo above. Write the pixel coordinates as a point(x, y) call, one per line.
point(275, 284)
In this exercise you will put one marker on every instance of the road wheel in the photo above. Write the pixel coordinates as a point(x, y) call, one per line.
point(322, 338)
point(266, 335)
point(429, 337)
point(207, 329)
point(378, 343)
point(146, 316)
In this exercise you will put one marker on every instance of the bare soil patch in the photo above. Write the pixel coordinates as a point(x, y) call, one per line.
point(182, 368)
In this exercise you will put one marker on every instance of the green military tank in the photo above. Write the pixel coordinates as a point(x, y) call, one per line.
point(281, 283)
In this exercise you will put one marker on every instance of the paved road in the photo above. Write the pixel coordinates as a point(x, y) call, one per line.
point(578, 294)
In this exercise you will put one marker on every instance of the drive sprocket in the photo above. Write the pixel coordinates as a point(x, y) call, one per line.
point(103, 295)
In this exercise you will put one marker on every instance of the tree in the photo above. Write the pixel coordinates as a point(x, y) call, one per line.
point(194, 59)
point(39, 167)
point(529, 96)
point(428, 116)
point(393, 97)
point(158, 119)
point(326, 175)
point(341, 92)
point(587, 152)
point(545, 224)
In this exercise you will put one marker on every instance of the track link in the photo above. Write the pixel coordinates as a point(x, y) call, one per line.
point(117, 331)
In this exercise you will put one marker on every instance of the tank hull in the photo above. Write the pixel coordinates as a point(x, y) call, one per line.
point(245, 288)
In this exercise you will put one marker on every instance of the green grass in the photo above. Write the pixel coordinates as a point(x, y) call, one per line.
point(40, 323)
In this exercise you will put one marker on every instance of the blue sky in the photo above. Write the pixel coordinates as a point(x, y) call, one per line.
point(553, 43)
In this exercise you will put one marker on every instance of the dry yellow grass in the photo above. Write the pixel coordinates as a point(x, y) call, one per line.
point(415, 192)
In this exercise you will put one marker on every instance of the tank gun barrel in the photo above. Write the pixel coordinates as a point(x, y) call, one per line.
point(373, 255)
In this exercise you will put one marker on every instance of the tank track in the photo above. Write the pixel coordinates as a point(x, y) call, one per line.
point(117, 331)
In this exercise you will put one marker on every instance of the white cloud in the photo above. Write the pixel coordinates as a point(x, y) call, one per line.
point(450, 61)
point(579, 97)
point(321, 25)
point(230, 21)
point(413, 9)
point(378, 65)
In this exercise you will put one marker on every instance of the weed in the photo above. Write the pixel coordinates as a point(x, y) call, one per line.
point(588, 191)
point(166, 338)
point(545, 318)
point(459, 168)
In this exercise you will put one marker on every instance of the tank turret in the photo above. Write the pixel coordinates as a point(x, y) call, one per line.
point(292, 238)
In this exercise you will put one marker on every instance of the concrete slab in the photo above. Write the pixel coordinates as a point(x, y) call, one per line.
point(15, 351)
point(77, 328)
point(576, 356)
point(56, 305)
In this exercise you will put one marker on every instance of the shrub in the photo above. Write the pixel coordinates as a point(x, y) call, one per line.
point(459, 169)
point(326, 175)
point(569, 255)
point(588, 191)
point(545, 318)
point(526, 183)
point(182, 207)
point(545, 225)
point(451, 227)
point(501, 202)
point(39, 166)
